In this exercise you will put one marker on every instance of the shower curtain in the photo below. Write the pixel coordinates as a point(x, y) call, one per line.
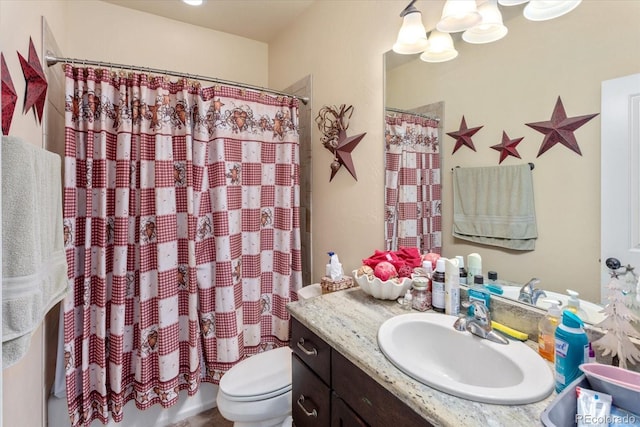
point(181, 232)
point(413, 216)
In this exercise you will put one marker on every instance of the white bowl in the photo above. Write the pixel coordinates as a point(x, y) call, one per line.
point(389, 289)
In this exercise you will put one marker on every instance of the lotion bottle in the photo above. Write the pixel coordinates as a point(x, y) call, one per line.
point(547, 329)
point(572, 349)
point(452, 287)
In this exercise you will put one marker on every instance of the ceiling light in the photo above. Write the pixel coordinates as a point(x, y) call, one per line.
point(458, 15)
point(440, 48)
point(193, 2)
point(511, 2)
point(490, 29)
point(542, 10)
point(412, 37)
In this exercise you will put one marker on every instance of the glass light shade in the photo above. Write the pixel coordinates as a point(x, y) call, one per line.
point(412, 37)
point(490, 29)
point(511, 2)
point(543, 10)
point(440, 48)
point(458, 15)
point(193, 2)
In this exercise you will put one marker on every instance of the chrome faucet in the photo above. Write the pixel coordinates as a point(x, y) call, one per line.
point(479, 323)
point(529, 293)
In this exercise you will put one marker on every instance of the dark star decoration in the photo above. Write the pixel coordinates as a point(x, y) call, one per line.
point(343, 151)
point(36, 81)
point(560, 128)
point(507, 147)
point(463, 136)
point(9, 97)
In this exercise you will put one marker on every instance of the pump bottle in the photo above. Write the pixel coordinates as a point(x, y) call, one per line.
point(571, 349)
point(547, 329)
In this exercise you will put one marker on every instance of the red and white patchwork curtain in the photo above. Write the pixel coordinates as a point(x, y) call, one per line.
point(413, 199)
point(181, 231)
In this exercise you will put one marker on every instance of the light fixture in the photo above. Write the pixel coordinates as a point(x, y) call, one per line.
point(193, 2)
point(542, 10)
point(458, 15)
point(490, 29)
point(511, 2)
point(412, 37)
point(440, 48)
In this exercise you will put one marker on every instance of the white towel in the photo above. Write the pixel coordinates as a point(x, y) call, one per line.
point(34, 265)
point(495, 206)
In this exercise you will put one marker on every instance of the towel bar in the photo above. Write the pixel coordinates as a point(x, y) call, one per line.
point(531, 166)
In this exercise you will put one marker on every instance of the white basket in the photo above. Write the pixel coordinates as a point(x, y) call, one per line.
point(389, 289)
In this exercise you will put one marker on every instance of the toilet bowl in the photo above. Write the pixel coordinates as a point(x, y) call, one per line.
point(257, 391)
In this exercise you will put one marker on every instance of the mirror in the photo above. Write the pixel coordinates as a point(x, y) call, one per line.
point(517, 80)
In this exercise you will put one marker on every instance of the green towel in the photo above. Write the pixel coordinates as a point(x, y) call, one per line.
point(495, 206)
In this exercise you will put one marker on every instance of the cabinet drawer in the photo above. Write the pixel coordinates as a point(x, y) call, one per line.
point(342, 415)
point(372, 402)
point(312, 350)
point(310, 399)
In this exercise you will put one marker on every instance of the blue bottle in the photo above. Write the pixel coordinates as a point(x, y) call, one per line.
point(571, 348)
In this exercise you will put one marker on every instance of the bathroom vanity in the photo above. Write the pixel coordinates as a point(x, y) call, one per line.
point(340, 373)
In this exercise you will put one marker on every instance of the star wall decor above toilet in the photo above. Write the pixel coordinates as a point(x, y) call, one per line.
point(333, 123)
point(36, 91)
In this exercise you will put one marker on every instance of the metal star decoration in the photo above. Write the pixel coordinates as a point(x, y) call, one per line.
point(507, 147)
point(463, 136)
point(36, 81)
point(9, 97)
point(560, 128)
point(346, 144)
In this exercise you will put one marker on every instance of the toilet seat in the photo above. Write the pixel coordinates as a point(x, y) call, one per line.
point(262, 376)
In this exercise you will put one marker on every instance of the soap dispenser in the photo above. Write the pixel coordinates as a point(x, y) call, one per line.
point(547, 329)
point(572, 349)
point(573, 304)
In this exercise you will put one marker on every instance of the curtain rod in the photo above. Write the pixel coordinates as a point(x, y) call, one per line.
point(397, 110)
point(531, 166)
point(53, 60)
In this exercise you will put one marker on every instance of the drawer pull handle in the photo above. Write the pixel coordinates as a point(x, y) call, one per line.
point(312, 352)
point(313, 413)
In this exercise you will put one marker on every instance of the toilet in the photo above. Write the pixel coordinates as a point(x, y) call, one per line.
point(257, 391)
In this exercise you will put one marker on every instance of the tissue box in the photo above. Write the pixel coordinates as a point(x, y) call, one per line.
point(329, 285)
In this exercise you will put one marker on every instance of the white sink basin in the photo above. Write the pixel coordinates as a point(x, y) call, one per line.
point(426, 347)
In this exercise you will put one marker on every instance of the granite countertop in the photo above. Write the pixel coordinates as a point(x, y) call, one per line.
point(349, 320)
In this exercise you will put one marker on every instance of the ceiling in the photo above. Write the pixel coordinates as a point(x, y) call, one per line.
point(254, 19)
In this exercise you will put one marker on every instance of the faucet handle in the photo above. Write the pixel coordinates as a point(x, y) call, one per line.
point(480, 312)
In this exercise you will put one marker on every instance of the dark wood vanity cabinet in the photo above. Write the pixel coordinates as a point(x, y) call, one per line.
point(329, 390)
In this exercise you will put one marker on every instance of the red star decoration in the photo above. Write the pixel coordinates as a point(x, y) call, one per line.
point(560, 129)
point(463, 136)
point(507, 147)
point(36, 81)
point(343, 152)
point(9, 97)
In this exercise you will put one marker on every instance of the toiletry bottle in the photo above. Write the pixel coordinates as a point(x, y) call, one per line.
point(451, 287)
point(573, 304)
point(547, 330)
point(572, 349)
point(479, 293)
point(592, 354)
point(406, 301)
point(474, 264)
point(492, 285)
point(421, 295)
point(437, 285)
point(463, 271)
